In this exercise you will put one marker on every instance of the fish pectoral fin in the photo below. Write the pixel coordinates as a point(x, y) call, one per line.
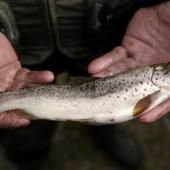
point(144, 104)
point(23, 114)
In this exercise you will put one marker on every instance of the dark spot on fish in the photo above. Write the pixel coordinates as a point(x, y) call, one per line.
point(119, 84)
point(118, 97)
point(141, 82)
point(67, 88)
point(112, 120)
point(136, 89)
point(81, 88)
point(125, 98)
point(126, 90)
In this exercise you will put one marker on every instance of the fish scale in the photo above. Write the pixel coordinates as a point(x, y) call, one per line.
point(104, 101)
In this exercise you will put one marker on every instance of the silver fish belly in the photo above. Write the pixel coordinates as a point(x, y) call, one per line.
point(105, 101)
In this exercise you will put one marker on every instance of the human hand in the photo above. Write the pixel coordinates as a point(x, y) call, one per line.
point(13, 76)
point(146, 42)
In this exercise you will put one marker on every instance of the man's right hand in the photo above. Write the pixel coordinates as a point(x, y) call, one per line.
point(12, 77)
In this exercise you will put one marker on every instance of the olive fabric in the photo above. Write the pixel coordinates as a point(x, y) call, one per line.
point(7, 23)
point(76, 28)
point(69, 26)
point(108, 21)
point(34, 26)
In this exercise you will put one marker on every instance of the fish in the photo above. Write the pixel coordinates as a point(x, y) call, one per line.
point(109, 100)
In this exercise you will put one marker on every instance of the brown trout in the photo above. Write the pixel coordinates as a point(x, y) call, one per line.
point(104, 101)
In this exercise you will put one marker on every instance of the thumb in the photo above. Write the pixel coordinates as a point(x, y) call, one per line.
point(11, 120)
point(103, 62)
point(114, 62)
point(119, 67)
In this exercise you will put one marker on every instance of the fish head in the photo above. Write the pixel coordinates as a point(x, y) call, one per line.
point(161, 76)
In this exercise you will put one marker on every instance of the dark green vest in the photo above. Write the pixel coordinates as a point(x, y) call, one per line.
point(77, 28)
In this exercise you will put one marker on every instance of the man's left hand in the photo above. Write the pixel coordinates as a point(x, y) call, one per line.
point(146, 42)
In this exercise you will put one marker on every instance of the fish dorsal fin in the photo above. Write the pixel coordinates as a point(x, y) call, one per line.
point(144, 104)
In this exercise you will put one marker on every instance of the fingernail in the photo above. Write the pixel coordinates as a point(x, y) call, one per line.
point(141, 119)
point(50, 76)
point(100, 75)
point(104, 74)
point(146, 120)
point(23, 122)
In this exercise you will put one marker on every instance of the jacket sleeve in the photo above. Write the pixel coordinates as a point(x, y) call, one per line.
point(7, 23)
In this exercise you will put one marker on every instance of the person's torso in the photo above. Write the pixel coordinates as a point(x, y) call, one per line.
point(71, 26)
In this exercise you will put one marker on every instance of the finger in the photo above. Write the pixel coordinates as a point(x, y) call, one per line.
point(10, 120)
point(39, 77)
point(33, 77)
point(121, 66)
point(26, 78)
point(156, 113)
point(108, 59)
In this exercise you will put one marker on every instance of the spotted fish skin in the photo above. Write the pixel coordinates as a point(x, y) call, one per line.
point(105, 101)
